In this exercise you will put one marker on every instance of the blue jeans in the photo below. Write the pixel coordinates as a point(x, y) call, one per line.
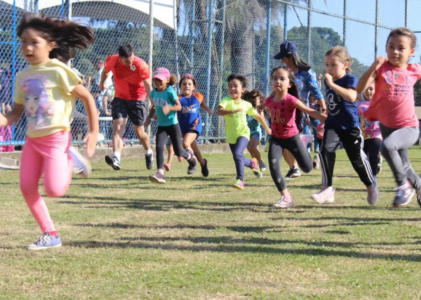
point(237, 151)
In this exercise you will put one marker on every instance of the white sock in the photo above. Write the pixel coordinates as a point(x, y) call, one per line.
point(329, 188)
point(118, 155)
point(149, 152)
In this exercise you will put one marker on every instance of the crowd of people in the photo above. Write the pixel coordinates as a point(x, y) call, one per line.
point(383, 121)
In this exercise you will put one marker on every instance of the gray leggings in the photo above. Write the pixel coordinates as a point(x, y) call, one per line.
point(395, 150)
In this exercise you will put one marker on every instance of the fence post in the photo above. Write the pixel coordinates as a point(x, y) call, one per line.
point(269, 20)
point(376, 31)
point(285, 22)
point(309, 33)
point(14, 43)
point(344, 22)
point(208, 68)
point(221, 65)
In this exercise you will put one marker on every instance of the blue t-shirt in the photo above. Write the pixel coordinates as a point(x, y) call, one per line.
point(342, 113)
point(189, 116)
point(307, 84)
point(254, 125)
point(160, 99)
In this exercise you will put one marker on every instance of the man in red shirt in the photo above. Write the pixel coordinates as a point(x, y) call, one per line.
point(132, 90)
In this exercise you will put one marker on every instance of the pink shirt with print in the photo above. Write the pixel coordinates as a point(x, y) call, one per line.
point(282, 116)
point(370, 129)
point(393, 102)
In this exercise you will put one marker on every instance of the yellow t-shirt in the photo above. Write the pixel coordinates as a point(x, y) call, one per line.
point(45, 91)
point(236, 124)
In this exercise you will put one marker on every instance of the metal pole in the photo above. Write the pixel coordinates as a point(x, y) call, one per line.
point(14, 60)
point(285, 22)
point(150, 61)
point(344, 20)
point(406, 13)
point(36, 7)
point(376, 30)
point(221, 65)
point(309, 33)
point(177, 71)
point(62, 9)
point(208, 69)
point(69, 9)
point(269, 20)
point(192, 32)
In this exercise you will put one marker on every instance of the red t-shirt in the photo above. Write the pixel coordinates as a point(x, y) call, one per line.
point(128, 81)
point(283, 116)
point(393, 101)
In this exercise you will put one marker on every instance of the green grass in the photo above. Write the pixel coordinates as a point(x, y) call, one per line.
point(195, 238)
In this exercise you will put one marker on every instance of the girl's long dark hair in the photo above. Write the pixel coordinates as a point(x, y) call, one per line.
point(252, 96)
point(67, 35)
point(301, 65)
point(293, 90)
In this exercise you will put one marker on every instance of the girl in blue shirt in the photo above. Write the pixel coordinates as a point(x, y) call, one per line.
point(165, 106)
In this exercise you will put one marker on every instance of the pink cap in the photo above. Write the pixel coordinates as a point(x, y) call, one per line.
point(161, 74)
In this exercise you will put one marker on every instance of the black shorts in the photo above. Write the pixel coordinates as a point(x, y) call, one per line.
point(137, 111)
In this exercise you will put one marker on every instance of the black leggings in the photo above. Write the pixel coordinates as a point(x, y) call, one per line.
point(161, 137)
point(276, 149)
point(372, 150)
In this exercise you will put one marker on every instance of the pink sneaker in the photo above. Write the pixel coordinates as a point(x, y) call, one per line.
point(324, 196)
point(284, 202)
point(167, 167)
point(255, 168)
point(238, 184)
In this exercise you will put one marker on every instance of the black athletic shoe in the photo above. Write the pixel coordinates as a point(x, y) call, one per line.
point(149, 161)
point(113, 162)
point(205, 170)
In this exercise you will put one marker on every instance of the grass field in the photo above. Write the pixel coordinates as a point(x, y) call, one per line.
point(194, 238)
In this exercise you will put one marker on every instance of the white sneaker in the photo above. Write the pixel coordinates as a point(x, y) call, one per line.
point(284, 202)
point(324, 196)
point(81, 165)
point(316, 162)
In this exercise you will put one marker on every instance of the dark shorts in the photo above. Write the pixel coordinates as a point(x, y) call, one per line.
point(137, 111)
point(184, 132)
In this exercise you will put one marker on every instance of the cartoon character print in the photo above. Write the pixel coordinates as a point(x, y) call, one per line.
point(369, 129)
point(39, 110)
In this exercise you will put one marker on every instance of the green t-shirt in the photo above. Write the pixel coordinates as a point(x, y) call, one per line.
point(236, 124)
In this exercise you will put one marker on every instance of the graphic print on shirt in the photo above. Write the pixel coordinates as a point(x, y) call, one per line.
point(369, 129)
point(39, 110)
point(398, 82)
point(332, 103)
point(191, 109)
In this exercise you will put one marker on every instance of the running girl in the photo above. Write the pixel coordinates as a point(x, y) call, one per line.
point(234, 109)
point(393, 106)
point(285, 134)
point(47, 90)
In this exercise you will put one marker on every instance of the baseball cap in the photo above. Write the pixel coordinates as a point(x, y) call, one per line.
point(286, 48)
point(161, 73)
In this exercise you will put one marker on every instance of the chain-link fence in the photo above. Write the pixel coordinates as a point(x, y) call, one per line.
point(208, 38)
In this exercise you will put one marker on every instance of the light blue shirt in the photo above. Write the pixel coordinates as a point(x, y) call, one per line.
point(160, 99)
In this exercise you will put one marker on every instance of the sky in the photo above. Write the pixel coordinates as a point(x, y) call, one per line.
point(360, 38)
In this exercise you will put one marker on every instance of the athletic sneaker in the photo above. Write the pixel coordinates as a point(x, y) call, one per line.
point(293, 173)
point(324, 196)
point(373, 194)
point(239, 184)
point(262, 166)
point(46, 241)
point(419, 197)
point(284, 202)
point(81, 165)
point(167, 167)
point(316, 162)
point(404, 195)
point(192, 162)
point(205, 170)
point(157, 178)
point(255, 168)
point(149, 161)
point(113, 162)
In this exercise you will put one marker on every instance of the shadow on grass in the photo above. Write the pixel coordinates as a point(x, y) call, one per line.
point(230, 245)
point(165, 205)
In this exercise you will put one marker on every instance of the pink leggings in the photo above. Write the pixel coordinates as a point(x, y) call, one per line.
point(48, 155)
